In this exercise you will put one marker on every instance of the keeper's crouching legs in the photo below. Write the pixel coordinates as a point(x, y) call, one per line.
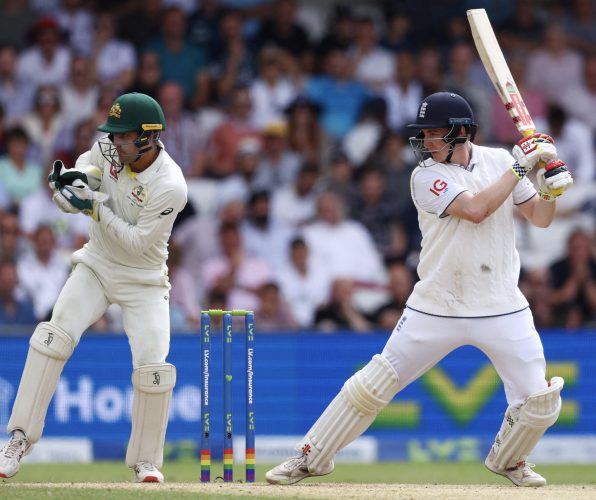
point(350, 413)
point(49, 349)
point(153, 385)
point(520, 431)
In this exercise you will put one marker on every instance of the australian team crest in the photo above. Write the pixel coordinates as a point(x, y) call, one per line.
point(115, 110)
point(138, 195)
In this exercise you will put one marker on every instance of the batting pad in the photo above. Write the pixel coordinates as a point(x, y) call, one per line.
point(351, 412)
point(520, 433)
point(153, 385)
point(49, 348)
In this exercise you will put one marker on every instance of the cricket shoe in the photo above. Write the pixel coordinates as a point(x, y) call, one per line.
point(146, 472)
point(293, 470)
point(520, 475)
point(12, 452)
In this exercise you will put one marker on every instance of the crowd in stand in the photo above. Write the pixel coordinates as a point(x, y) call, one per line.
point(288, 119)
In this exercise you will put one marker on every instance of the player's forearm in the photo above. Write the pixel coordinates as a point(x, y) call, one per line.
point(487, 201)
point(543, 212)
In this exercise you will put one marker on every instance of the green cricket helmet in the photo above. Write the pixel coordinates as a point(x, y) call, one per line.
point(133, 112)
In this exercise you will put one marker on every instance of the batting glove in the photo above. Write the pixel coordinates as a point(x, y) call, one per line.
point(553, 180)
point(79, 198)
point(531, 150)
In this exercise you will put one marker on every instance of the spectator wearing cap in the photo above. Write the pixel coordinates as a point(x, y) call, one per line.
point(264, 236)
point(338, 94)
point(47, 61)
point(18, 174)
point(279, 164)
point(374, 65)
point(16, 94)
point(296, 204)
point(271, 91)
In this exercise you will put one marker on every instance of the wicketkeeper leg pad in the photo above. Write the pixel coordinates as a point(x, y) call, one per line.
point(351, 412)
point(522, 429)
point(153, 386)
point(49, 348)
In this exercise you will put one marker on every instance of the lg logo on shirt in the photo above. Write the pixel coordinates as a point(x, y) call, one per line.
point(439, 187)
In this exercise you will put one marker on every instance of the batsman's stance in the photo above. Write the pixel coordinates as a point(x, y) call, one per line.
point(123, 263)
point(467, 294)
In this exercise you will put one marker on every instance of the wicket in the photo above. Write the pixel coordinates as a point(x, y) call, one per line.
point(228, 447)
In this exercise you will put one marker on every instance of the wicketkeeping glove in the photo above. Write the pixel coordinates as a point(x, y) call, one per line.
point(531, 150)
point(553, 180)
point(80, 198)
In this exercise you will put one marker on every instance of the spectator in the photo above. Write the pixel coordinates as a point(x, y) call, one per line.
point(148, 76)
point(404, 93)
point(232, 63)
point(12, 243)
point(18, 175)
point(224, 141)
point(44, 123)
point(338, 94)
point(203, 25)
point(279, 165)
point(523, 29)
point(303, 284)
point(141, 23)
point(373, 209)
point(263, 236)
point(580, 101)
point(281, 29)
point(364, 137)
point(115, 59)
point(43, 272)
point(78, 97)
point(13, 310)
point(401, 284)
point(16, 94)
point(332, 233)
point(47, 61)
point(574, 143)
point(76, 21)
point(183, 135)
point(339, 176)
point(459, 79)
point(180, 60)
point(398, 35)
point(579, 23)
point(15, 22)
point(184, 300)
point(340, 33)
point(234, 273)
point(374, 65)
point(241, 184)
point(271, 91)
point(305, 135)
point(430, 73)
point(296, 204)
point(574, 282)
point(273, 313)
point(340, 311)
point(554, 66)
point(74, 141)
point(536, 286)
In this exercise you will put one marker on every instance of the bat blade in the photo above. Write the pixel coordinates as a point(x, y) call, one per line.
point(496, 67)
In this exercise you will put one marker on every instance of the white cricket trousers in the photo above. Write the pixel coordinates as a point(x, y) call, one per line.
point(511, 342)
point(145, 307)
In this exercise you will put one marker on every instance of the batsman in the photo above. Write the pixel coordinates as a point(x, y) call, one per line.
point(468, 292)
point(141, 190)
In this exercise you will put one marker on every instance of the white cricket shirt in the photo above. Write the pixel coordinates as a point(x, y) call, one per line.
point(136, 222)
point(467, 269)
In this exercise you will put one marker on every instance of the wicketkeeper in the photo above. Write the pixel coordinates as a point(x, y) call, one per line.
point(124, 262)
point(467, 294)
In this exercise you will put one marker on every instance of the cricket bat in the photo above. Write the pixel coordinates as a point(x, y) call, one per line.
point(496, 67)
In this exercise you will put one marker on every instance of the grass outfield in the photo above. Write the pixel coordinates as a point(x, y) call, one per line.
point(111, 480)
